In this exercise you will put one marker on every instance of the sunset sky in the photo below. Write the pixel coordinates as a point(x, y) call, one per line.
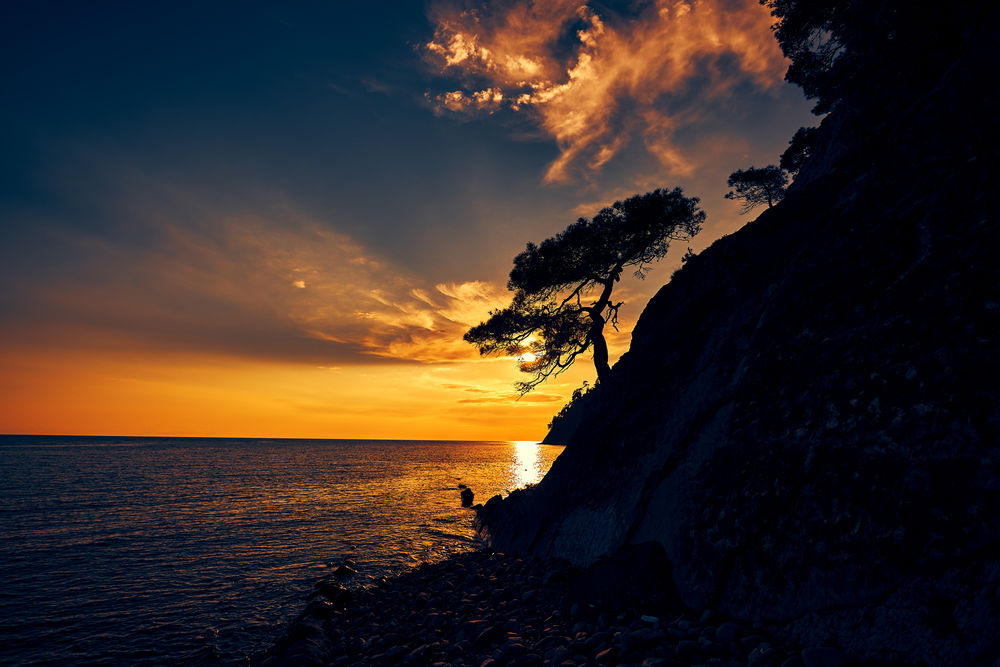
point(242, 219)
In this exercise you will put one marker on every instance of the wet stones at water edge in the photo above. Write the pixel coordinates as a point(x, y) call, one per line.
point(346, 569)
point(491, 610)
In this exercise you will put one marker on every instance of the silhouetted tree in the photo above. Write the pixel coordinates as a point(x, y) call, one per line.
point(814, 37)
point(758, 186)
point(868, 46)
point(798, 149)
point(562, 288)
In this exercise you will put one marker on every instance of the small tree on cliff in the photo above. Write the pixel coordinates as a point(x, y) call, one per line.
point(799, 149)
point(562, 288)
point(758, 186)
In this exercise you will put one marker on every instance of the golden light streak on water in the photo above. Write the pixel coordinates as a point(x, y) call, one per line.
point(527, 466)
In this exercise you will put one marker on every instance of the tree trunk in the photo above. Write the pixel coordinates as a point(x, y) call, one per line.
point(596, 333)
point(600, 352)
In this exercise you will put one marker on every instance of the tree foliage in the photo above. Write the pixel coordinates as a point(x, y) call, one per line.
point(563, 286)
point(799, 149)
point(758, 186)
point(814, 36)
point(837, 48)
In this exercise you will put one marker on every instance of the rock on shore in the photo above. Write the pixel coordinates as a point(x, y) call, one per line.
point(486, 609)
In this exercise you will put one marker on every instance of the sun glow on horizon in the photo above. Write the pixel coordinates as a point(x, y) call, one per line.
point(79, 394)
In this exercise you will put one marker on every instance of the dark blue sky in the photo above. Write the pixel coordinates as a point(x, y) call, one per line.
point(321, 104)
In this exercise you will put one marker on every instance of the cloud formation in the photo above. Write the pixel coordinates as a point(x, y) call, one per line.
point(278, 286)
point(596, 80)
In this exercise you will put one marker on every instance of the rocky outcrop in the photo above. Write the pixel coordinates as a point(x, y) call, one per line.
point(807, 420)
point(562, 429)
point(565, 423)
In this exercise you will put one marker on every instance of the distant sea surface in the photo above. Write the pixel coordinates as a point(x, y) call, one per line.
point(186, 550)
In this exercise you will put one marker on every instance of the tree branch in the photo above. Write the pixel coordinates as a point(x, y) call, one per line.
point(613, 311)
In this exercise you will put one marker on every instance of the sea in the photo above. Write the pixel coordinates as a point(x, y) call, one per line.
point(151, 551)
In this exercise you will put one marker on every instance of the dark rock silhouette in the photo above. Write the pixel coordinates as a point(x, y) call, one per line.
point(467, 497)
point(566, 421)
point(344, 571)
point(561, 431)
point(807, 420)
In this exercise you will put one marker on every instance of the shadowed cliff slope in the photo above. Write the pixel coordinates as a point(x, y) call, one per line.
point(807, 419)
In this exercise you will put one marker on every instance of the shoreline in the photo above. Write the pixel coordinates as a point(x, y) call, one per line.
point(486, 609)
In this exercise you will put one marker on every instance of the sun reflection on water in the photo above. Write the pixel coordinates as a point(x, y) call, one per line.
point(526, 468)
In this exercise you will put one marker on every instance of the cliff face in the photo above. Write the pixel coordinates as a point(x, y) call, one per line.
point(807, 419)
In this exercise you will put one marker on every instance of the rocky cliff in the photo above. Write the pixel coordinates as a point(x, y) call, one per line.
point(807, 420)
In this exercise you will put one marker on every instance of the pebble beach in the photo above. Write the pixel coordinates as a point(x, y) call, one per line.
point(485, 609)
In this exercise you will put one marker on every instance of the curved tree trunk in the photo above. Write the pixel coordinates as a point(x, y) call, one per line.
point(596, 336)
point(596, 333)
point(600, 352)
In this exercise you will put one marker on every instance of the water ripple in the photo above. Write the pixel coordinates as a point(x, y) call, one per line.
point(151, 551)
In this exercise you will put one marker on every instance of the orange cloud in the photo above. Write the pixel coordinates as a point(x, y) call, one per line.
point(279, 286)
point(419, 324)
point(594, 82)
point(349, 297)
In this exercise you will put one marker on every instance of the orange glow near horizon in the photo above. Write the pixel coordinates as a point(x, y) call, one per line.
point(242, 346)
point(70, 394)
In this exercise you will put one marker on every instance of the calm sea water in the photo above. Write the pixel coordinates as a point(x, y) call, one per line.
point(181, 550)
